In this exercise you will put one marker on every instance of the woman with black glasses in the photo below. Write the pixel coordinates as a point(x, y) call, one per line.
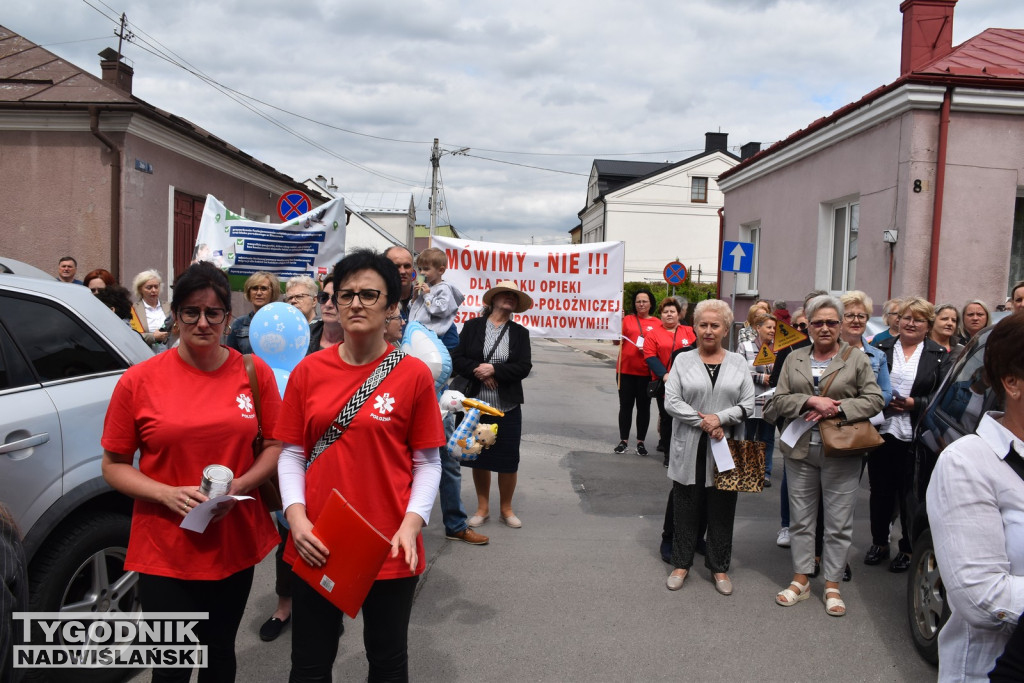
point(301, 292)
point(184, 409)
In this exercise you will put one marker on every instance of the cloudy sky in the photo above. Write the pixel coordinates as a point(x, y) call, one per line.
point(535, 89)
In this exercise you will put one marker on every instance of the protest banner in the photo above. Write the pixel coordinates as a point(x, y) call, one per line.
point(576, 289)
point(308, 245)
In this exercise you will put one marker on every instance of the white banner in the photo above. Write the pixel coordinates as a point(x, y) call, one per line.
point(308, 245)
point(576, 289)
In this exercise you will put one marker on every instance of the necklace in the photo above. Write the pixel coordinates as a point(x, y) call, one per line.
point(712, 369)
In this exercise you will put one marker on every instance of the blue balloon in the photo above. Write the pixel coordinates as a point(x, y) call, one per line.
point(421, 343)
point(282, 379)
point(279, 334)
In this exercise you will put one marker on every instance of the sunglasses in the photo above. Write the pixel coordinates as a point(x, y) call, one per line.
point(322, 298)
point(818, 324)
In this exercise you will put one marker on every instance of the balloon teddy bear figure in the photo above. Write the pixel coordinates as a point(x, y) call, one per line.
point(470, 437)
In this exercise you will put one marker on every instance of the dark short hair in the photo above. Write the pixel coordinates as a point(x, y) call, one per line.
point(1002, 352)
point(368, 259)
point(1016, 285)
point(199, 276)
point(67, 258)
point(117, 298)
point(650, 297)
point(670, 301)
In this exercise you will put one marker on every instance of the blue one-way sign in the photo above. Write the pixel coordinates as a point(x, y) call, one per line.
point(737, 257)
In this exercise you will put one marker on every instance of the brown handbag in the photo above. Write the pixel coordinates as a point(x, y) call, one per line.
point(842, 438)
point(270, 493)
point(748, 474)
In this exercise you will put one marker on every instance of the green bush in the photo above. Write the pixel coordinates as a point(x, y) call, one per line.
point(691, 290)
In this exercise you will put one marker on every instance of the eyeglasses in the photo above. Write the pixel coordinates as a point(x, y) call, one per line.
point(292, 298)
point(367, 297)
point(259, 288)
point(859, 317)
point(909, 320)
point(322, 298)
point(817, 324)
point(190, 316)
point(801, 326)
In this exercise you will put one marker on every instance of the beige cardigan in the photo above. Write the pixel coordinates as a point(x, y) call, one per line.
point(147, 334)
point(854, 386)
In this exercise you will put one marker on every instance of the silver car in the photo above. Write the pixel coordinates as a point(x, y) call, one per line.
point(61, 353)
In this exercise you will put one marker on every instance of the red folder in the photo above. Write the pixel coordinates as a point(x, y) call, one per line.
point(357, 549)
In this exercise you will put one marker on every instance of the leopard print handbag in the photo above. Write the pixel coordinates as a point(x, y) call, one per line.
point(748, 474)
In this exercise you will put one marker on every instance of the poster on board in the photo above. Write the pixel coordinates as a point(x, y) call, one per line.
point(308, 245)
point(576, 288)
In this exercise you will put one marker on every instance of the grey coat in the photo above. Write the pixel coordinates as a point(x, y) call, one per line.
point(688, 391)
point(854, 386)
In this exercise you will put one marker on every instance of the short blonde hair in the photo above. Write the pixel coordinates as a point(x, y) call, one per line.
point(256, 278)
point(433, 257)
point(918, 306)
point(304, 281)
point(713, 306)
point(857, 298)
point(144, 277)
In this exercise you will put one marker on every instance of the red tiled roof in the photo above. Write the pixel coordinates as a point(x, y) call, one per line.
point(993, 58)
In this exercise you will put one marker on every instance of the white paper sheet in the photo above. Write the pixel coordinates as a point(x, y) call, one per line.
point(795, 430)
point(199, 517)
point(877, 420)
point(723, 456)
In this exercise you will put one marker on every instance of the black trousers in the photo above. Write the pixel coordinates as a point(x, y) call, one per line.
point(633, 391)
point(891, 475)
point(316, 626)
point(282, 570)
point(690, 503)
point(224, 600)
point(664, 425)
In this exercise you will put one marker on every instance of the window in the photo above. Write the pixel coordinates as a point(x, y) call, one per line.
point(1017, 244)
point(747, 283)
point(699, 190)
point(57, 345)
point(845, 225)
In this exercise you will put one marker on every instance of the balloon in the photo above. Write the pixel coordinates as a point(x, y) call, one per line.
point(282, 379)
point(279, 334)
point(421, 343)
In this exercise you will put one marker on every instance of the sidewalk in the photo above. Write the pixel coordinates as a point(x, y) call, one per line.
point(601, 349)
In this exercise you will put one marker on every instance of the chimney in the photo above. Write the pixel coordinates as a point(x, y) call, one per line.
point(716, 142)
point(748, 150)
point(115, 71)
point(927, 32)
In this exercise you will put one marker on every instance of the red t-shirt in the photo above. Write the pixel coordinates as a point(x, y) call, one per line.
point(662, 343)
point(182, 419)
point(631, 358)
point(371, 464)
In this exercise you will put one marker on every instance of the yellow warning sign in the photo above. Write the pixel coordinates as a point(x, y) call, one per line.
point(786, 336)
point(764, 356)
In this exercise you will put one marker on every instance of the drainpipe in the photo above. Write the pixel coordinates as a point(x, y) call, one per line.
point(940, 185)
point(721, 241)
point(115, 190)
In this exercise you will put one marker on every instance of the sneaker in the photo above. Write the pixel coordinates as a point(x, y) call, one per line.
point(767, 481)
point(621, 448)
point(641, 449)
point(783, 538)
point(469, 536)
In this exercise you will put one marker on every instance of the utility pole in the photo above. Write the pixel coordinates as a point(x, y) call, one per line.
point(435, 164)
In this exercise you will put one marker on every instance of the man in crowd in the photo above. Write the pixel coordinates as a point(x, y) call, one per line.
point(66, 269)
point(452, 512)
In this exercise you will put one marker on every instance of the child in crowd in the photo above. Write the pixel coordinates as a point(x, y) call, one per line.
point(435, 302)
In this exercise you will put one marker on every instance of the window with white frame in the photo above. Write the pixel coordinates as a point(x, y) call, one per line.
point(746, 283)
point(1017, 243)
point(845, 224)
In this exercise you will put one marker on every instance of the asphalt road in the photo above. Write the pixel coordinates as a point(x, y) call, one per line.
point(578, 594)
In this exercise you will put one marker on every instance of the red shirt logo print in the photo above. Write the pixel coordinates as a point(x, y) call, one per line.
point(244, 403)
point(383, 405)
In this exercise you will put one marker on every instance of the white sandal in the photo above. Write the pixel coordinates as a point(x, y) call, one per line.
point(789, 597)
point(833, 604)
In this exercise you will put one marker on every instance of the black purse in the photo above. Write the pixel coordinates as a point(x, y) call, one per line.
point(462, 384)
point(656, 388)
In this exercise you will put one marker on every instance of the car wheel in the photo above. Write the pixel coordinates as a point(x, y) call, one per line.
point(927, 607)
point(81, 569)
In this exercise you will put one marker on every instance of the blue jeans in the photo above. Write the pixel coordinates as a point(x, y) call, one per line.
point(762, 430)
point(452, 512)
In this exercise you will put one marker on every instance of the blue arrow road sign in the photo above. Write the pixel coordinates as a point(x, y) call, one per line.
point(737, 257)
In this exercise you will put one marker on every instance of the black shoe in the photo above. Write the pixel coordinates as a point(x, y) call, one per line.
point(272, 628)
point(847, 573)
point(767, 481)
point(641, 449)
point(817, 569)
point(666, 551)
point(876, 554)
point(665, 461)
point(661, 448)
point(900, 563)
point(621, 448)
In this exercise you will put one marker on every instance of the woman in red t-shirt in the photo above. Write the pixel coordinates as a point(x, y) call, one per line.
point(184, 409)
point(386, 464)
point(632, 373)
point(658, 350)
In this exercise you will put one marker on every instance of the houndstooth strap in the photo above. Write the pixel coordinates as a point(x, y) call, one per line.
point(344, 419)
